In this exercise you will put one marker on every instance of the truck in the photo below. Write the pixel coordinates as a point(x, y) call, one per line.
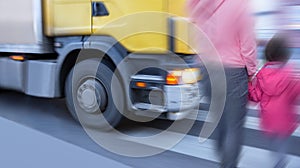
point(109, 58)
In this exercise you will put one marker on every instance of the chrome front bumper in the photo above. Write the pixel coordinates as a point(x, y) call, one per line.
point(180, 101)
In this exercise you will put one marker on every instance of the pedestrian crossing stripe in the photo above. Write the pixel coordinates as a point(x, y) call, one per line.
point(251, 122)
point(250, 156)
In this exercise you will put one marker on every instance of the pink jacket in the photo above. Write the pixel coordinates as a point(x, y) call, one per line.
point(230, 27)
point(276, 90)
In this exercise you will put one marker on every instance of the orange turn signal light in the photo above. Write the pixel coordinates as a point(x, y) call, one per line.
point(17, 57)
point(141, 84)
point(171, 79)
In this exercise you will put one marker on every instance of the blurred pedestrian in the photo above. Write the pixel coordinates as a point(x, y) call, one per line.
point(229, 26)
point(276, 88)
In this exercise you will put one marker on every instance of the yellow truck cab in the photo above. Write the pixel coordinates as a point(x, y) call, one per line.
point(109, 58)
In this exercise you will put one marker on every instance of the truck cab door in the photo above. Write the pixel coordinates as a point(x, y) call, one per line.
point(139, 25)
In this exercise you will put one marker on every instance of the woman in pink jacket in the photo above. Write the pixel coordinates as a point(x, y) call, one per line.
point(276, 89)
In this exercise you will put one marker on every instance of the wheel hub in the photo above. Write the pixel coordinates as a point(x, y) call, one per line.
point(92, 96)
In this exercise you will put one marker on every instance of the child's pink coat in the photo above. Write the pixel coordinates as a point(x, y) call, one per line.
point(276, 89)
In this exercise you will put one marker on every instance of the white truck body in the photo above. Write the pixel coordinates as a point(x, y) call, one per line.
point(21, 27)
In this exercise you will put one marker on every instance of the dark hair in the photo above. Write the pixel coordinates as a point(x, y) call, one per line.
point(277, 50)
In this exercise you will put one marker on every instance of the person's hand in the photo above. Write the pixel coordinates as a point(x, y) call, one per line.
point(250, 78)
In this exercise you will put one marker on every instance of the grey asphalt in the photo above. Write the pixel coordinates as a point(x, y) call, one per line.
point(24, 147)
point(50, 117)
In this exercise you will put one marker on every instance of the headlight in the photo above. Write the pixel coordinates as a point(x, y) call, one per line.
point(184, 76)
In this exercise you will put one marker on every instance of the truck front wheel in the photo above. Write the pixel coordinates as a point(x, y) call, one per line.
point(89, 95)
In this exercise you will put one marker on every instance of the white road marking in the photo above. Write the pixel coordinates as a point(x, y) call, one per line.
point(251, 122)
point(250, 156)
point(22, 146)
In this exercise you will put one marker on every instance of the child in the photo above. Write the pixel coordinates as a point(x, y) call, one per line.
point(276, 89)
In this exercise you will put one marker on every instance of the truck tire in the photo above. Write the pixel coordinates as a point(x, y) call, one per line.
point(89, 95)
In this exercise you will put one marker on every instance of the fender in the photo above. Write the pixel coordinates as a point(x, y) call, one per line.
point(65, 45)
point(107, 45)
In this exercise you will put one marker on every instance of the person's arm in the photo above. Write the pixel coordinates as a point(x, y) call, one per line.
point(255, 91)
point(192, 10)
point(201, 10)
point(295, 87)
point(247, 42)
